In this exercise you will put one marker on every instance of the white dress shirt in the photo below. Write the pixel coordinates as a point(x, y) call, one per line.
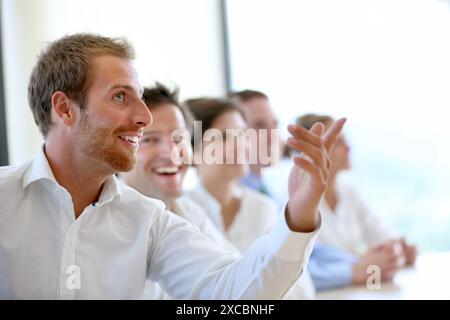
point(256, 216)
point(122, 240)
point(192, 212)
point(351, 226)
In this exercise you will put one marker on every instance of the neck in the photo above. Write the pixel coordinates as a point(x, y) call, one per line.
point(78, 175)
point(222, 190)
point(170, 204)
point(255, 169)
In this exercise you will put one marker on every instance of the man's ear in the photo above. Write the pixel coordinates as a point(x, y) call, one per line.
point(63, 108)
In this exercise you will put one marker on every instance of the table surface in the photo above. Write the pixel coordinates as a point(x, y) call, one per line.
point(429, 278)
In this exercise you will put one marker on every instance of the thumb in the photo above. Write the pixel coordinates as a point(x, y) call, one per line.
point(318, 128)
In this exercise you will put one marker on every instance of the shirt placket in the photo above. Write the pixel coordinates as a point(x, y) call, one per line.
point(68, 260)
point(69, 266)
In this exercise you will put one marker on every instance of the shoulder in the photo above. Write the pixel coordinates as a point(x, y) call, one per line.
point(188, 204)
point(347, 189)
point(257, 197)
point(259, 201)
point(195, 194)
point(12, 174)
point(352, 197)
point(191, 210)
point(201, 198)
point(139, 207)
point(133, 199)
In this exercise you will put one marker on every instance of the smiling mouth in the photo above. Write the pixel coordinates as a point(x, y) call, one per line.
point(133, 140)
point(166, 171)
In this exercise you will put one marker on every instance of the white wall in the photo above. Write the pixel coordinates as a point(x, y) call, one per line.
point(177, 42)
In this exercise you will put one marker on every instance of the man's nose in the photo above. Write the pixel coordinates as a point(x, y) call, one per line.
point(143, 116)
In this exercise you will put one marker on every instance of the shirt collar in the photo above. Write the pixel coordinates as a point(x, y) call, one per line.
point(252, 181)
point(111, 190)
point(210, 204)
point(39, 169)
point(213, 207)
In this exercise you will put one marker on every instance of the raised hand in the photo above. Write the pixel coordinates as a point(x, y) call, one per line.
point(309, 175)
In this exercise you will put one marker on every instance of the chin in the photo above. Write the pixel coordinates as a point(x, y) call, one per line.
point(172, 194)
point(119, 161)
point(348, 166)
point(237, 172)
point(123, 166)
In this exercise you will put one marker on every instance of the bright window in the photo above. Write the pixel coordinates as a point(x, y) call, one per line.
point(385, 65)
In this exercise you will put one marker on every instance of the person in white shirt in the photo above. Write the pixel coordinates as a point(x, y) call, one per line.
point(242, 214)
point(349, 224)
point(69, 230)
point(156, 175)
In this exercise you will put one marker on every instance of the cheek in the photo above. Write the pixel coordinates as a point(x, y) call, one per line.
point(338, 155)
point(335, 155)
point(104, 119)
point(146, 158)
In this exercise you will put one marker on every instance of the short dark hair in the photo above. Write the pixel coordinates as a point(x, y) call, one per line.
point(247, 95)
point(207, 110)
point(159, 94)
point(64, 66)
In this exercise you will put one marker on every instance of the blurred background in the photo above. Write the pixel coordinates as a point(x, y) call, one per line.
point(384, 64)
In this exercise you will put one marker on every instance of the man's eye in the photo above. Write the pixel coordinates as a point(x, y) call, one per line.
point(119, 97)
point(152, 140)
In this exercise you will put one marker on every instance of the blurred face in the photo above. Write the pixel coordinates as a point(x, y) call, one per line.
point(114, 115)
point(155, 174)
point(231, 149)
point(340, 155)
point(259, 115)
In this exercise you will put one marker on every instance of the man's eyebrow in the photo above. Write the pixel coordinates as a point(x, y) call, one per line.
point(127, 87)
